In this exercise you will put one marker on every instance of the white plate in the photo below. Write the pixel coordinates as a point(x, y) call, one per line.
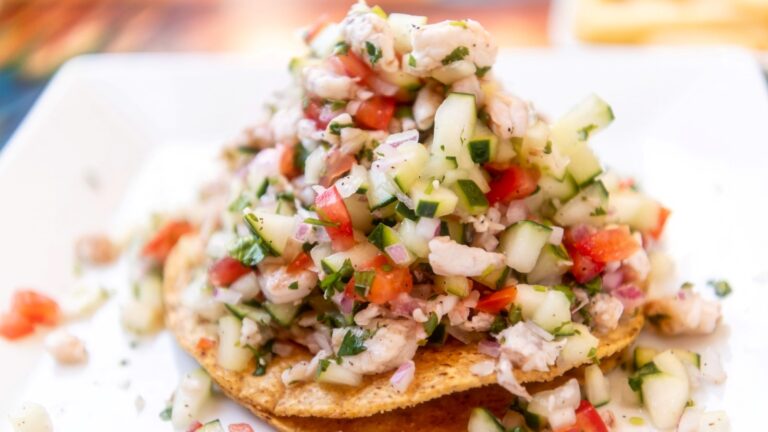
point(115, 137)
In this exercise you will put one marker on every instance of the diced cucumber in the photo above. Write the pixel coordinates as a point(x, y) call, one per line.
point(380, 194)
point(505, 152)
point(537, 149)
point(471, 198)
point(412, 240)
point(589, 116)
point(361, 216)
point(282, 313)
point(554, 312)
point(474, 174)
point(452, 72)
point(323, 44)
point(331, 373)
point(414, 157)
point(358, 255)
point(274, 229)
point(456, 285)
point(194, 389)
point(563, 189)
point(454, 126)
point(665, 397)
point(438, 166)
point(596, 386)
point(401, 25)
point(231, 355)
point(403, 212)
point(535, 421)
point(383, 236)
point(587, 206)
point(495, 278)
point(255, 314)
point(584, 166)
point(483, 144)
point(553, 262)
point(522, 243)
point(433, 201)
point(258, 182)
point(529, 298)
point(212, 426)
point(668, 362)
point(482, 420)
point(579, 347)
point(453, 229)
point(688, 357)
point(642, 356)
point(635, 209)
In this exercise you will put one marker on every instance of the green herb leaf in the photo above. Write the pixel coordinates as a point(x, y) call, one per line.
point(481, 70)
point(594, 286)
point(249, 250)
point(431, 324)
point(341, 48)
point(263, 356)
point(323, 365)
point(592, 354)
point(336, 128)
point(636, 380)
point(294, 285)
point(461, 24)
point(335, 282)
point(586, 131)
point(165, 415)
point(352, 344)
point(363, 282)
point(374, 52)
point(457, 54)
point(600, 211)
point(721, 286)
point(567, 291)
point(411, 61)
point(318, 222)
point(241, 202)
point(548, 147)
point(498, 325)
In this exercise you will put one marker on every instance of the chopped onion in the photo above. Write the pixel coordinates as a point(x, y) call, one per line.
point(319, 252)
point(303, 232)
point(556, 236)
point(227, 296)
point(395, 140)
point(428, 228)
point(345, 302)
point(247, 285)
point(382, 87)
point(516, 212)
point(489, 348)
point(613, 280)
point(483, 368)
point(353, 106)
point(403, 376)
point(712, 367)
point(630, 296)
point(347, 186)
point(398, 253)
point(690, 420)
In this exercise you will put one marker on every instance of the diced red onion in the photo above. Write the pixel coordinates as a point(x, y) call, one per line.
point(395, 140)
point(382, 87)
point(403, 376)
point(345, 302)
point(630, 296)
point(303, 232)
point(556, 236)
point(398, 253)
point(489, 348)
point(613, 280)
point(516, 212)
point(428, 228)
point(227, 296)
point(353, 106)
point(403, 305)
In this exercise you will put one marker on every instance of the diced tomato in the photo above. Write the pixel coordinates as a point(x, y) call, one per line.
point(194, 426)
point(287, 165)
point(302, 262)
point(389, 281)
point(584, 269)
point(13, 325)
point(331, 208)
point(160, 245)
point(351, 65)
point(321, 113)
point(376, 112)
point(336, 165)
point(513, 183)
point(495, 302)
point(240, 427)
point(37, 308)
point(626, 183)
point(587, 420)
point(659, 228)
point(204, 344)
point(613, 244)
point(225, 271)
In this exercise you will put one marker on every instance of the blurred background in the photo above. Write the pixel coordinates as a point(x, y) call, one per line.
point(38, 36)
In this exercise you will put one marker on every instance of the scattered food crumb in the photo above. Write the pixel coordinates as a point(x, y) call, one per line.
point(96, 249)
point(139, 403)
point(31, 417)
point(65, 347)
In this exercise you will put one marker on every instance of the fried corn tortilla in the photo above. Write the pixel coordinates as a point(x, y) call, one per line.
point(440, 370)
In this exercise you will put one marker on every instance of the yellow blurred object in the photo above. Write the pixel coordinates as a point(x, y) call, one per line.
point(743, 22)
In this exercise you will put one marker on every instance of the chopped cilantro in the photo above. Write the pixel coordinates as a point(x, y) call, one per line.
point(336, 128)
point(318, 222)
point(294, 285)
point(461, 24)
point(457, 54)
point(263, 356)
point(323, 365)
point(363, 282)
point(332, 319)
point(722, 287)
point(249, 250)
point(411, 61)
point(338, 105)
point(592, 354)
point(567, 291)
point(594, 286)
point(374, 52)
point(636, 380)
point(498, 325)
point(241, 202)
point(548, 147)
point(585, 131)
point(335, 282)
point(431, 324)
point(341, 48)
point(515, 315)
point(481, 71)
point(600, 211)
point(165, 415)
point(686, 286)
point(352, 344)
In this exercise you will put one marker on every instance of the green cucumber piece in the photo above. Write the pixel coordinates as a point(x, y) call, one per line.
point(689, 357)
point(330, 372)
point(482, 420)
point(383, 236)
point(586, 118)
point(212, 426)
point(554, 312)
point(454, 125)
point(580, 347)
point(596, 386)
point(563, 189)
point(495, 278)
point(584, 166)
point(231, 355)
point(587, 206)
point(361, 216)
point(553, 262)
point(483, 144)
point(380, 193)
point(522, 243)
point(358, 255)
point(274, 229)
point(642, 356)
point(417, 244)
point(529, 298)
point(453, 229)
point(433, 201)
point(456, 285)
point(282, 313)
point(665, 397)
point(471, 198)
point(414, 157)
point(255, 314)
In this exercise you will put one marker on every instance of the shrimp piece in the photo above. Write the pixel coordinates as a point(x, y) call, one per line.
point(425, 106)
point(509, 115)
point(392, 343)
point(370, 37)
point(281, 287)
point(686, 313)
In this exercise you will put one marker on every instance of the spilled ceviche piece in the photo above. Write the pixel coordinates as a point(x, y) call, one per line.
point(397, 198)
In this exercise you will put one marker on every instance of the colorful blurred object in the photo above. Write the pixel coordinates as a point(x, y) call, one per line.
point(38, 36)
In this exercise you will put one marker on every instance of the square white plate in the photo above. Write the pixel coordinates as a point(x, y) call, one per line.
point(115, 137)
